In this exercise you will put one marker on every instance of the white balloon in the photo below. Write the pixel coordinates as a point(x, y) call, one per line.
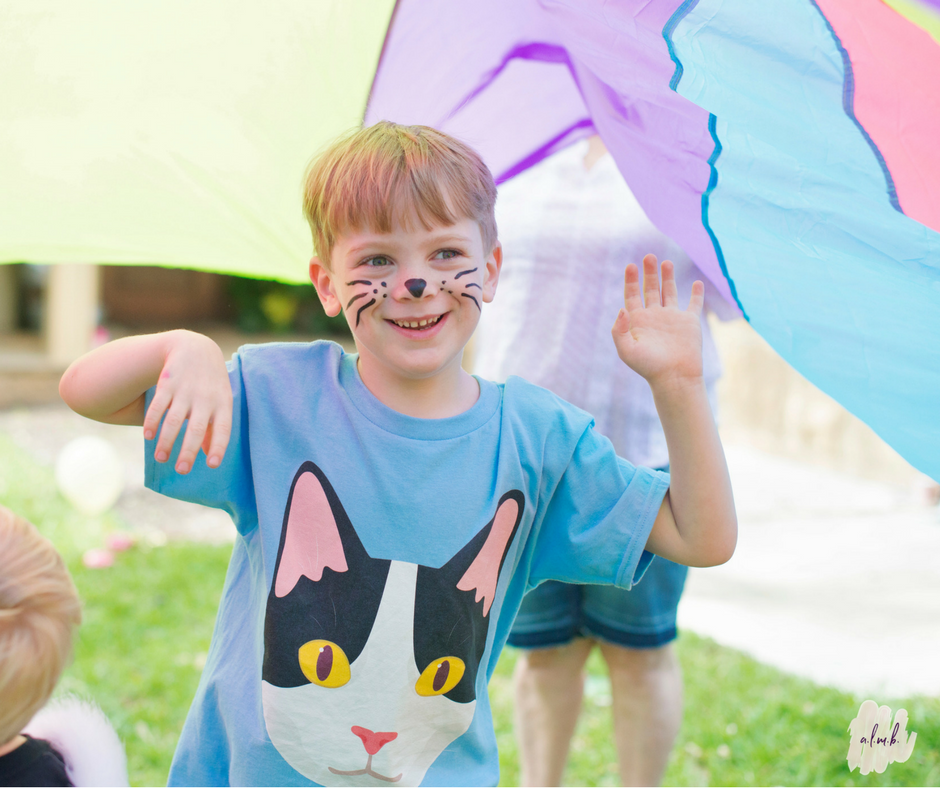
point(90, 474)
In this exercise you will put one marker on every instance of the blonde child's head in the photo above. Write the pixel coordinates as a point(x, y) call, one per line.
point(387, 174)
point(39, 609)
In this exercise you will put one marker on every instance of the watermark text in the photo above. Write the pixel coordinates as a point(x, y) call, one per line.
point(875, 741)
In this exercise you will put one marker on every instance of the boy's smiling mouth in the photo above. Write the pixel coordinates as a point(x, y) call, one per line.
point(418, 323)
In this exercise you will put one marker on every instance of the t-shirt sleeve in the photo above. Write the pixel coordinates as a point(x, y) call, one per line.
point(228, 487)
point(598, 519)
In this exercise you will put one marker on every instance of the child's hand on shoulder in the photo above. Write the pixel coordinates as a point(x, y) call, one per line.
point(194, 385)
point(659, 340)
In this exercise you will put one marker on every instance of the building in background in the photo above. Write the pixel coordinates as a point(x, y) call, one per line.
point(52, 314)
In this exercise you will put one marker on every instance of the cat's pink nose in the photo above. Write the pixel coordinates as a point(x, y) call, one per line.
point(373, 741)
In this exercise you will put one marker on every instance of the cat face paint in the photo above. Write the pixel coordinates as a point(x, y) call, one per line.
point(370, 666)
point(467, 293)
point(412, 297)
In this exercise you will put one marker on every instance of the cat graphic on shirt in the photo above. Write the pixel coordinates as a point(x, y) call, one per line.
point(370, 665)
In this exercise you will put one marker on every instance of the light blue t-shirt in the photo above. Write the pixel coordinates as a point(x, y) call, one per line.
point(379, 563)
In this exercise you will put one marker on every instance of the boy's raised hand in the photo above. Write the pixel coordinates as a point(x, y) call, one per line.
point(194, 385)
point(658, 339)
point(696, 524)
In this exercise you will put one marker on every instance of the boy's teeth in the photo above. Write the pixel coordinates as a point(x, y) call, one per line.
point(416, 323)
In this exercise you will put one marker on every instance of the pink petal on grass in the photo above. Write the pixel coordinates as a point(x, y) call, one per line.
point(98, 558)
point(120, 541)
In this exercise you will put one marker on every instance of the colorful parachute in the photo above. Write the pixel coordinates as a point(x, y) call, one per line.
point(790, 146)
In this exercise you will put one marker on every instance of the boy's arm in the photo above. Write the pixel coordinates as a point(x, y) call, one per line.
point(109, 384)
point(696, 524)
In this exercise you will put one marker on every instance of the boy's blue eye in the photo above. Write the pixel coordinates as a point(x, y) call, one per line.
point(377, 262)
point(447, 254)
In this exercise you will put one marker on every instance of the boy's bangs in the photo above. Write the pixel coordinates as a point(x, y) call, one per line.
point(398, 193)
point(390, 176)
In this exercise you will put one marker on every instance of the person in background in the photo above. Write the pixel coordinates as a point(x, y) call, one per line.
point(567, 226)
point(39, 610)
point(67, 741)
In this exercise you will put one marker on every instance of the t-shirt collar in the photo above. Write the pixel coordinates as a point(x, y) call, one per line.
point(397, 423)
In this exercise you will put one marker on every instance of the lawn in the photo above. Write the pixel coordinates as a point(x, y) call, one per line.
point(148, 620)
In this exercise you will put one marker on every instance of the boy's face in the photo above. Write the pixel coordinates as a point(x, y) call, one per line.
point(412, 297)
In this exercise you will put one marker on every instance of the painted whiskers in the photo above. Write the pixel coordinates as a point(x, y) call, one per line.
point(416, 287)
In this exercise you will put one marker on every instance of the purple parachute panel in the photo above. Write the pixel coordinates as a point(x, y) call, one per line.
point(520, 80)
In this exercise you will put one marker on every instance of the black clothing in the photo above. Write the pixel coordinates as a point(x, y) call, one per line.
point(33, 763)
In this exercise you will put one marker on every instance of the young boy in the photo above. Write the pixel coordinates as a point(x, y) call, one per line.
point(39, 609)
point(392, 510)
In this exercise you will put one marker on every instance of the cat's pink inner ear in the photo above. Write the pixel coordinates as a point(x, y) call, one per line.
point(483, 573)
point(312, 543)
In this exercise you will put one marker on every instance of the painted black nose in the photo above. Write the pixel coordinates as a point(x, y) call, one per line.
point(416, 287)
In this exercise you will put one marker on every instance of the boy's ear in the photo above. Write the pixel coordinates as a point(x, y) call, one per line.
point(494, 263)
point(323, 282)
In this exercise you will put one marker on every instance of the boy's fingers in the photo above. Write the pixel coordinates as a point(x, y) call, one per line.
point(651, 281)
point(631, 288)
point(192, 440)
point(620, 331)
point(697, 300)
point(158, 405)
point(172, 423)
point(622, 323)
point(670, 293)
point(207, 441)
point(221, 431)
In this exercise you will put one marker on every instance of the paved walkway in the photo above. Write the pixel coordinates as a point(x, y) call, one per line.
point(835, 578)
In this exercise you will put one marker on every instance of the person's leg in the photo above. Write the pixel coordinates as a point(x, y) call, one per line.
point(646, 686)
point(548, 680)
point(635, 629)
point(549, 685)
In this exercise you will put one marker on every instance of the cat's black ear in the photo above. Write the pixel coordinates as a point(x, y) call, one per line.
point(325, 586)
point(316, 533)
point(452, 604)
point(484, 562)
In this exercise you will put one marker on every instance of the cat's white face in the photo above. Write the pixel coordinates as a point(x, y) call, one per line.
point(370, 665)
point(380, 697)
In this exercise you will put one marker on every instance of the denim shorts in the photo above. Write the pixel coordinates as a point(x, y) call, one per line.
point(554, 614)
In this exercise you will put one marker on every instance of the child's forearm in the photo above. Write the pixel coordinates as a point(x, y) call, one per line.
point(193, 388)
point(108, 384)
point(697, 525)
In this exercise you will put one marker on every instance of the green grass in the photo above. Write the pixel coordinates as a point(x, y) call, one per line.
point(29, 489)
point(778, 729)
point(142, 645)
point(148, 620)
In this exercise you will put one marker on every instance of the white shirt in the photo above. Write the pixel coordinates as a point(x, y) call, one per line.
point(567, 235)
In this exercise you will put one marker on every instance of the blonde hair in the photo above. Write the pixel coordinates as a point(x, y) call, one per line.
point(39, 609)
point(375, 177)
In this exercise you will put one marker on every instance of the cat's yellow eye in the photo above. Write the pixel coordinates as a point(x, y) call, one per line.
point(324, 663)
point(440, 676)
